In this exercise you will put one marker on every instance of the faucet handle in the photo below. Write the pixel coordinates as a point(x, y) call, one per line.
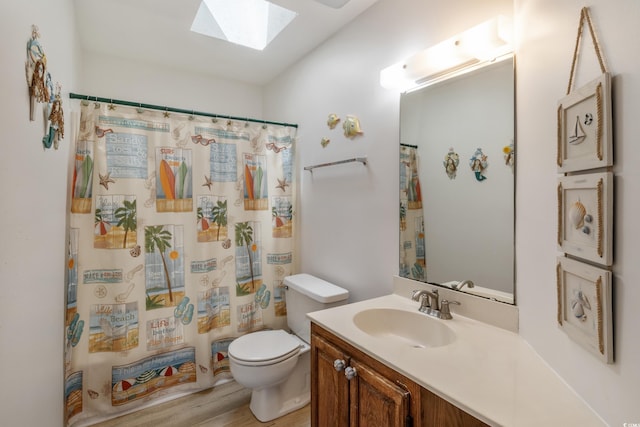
point(425, 303)
point(445, 312)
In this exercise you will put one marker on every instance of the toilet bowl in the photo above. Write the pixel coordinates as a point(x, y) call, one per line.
point(271, 363)
point(276, 364)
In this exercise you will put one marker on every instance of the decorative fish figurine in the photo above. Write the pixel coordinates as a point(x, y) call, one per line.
point(332, 120)
point(351, 127)
point(324, 142)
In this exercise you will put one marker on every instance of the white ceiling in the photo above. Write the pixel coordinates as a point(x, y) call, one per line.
point(158, 31)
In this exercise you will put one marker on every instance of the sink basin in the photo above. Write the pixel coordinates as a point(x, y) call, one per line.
point(405, 328)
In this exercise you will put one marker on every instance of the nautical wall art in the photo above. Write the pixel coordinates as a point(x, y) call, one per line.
point(450, 163)
point(41, 90)
point(585, 208)
point(584, 127)
point(509, 153)
point(478, 164)
point(585, 306)
point(585, 137)
point(351, 127)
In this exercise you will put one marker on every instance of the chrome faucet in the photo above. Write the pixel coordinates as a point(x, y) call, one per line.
point(427, 298)
point(430, 303)
point(458, 286)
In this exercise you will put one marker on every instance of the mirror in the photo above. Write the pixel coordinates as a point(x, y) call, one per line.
point(457, 182)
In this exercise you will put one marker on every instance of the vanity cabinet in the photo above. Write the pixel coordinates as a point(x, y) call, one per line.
point(350, 388)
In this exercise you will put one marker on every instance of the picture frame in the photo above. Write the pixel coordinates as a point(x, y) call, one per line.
point(585, 216)
point(585, 306)
point(585, 131)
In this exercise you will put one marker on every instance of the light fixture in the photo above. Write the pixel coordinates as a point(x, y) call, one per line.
point(251, 23)
point(489, 41)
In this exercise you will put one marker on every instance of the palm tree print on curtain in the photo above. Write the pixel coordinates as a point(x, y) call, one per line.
point(248, 265)
point(167, 263)
point(164, 267)
point(115, 222)
point(212, 219)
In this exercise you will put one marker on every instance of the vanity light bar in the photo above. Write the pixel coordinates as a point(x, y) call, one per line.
point(481, 44)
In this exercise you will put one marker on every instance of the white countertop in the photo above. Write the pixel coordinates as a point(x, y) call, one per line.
point(489, 372)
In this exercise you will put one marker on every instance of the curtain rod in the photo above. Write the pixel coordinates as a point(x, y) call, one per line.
point(175, 110)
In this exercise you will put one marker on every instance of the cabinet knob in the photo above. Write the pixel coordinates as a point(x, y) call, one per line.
point(339, 365)
point(350, 373)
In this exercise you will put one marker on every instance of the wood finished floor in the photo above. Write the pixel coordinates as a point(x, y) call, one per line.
point(229, 407)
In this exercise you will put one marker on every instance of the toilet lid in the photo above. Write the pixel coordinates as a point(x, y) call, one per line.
point(263, 346)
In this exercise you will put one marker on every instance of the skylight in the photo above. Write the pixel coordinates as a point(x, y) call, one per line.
point(251, 23)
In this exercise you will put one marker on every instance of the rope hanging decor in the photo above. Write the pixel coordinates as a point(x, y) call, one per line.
point(585, 16)
point(585, 205)
point(594, 127)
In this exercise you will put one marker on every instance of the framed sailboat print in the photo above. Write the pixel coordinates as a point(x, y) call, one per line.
point(585, 137)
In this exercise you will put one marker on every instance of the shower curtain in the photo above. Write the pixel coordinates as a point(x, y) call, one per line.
point(180, 235)
point(413, 262)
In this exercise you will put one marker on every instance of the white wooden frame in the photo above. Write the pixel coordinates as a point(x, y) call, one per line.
point(585, 216)
point(585, 306)
point(585, 136)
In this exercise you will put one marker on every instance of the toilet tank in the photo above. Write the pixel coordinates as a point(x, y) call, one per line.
point(306, 293)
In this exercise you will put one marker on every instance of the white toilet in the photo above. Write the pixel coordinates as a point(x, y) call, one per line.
point(276, 364)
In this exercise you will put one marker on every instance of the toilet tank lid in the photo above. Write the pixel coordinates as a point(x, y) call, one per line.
point(316, 288)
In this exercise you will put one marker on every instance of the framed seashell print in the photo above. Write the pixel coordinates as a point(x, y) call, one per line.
point(585, 216)
point(585, 136)
point(585, 306)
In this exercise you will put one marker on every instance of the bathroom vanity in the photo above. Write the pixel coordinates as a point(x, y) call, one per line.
point(458, 372)
point(350, 388)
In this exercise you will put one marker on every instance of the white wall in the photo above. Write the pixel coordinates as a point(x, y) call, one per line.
point(547, 34)
point(147, 83)
point(349, 213)
point(32, 219)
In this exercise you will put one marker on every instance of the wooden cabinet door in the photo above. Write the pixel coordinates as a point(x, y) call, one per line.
point(329, 387)
point(375, 400)
point(437, 412)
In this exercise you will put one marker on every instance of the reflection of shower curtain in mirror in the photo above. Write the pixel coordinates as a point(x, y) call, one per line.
point(180, 234)
point(412, 232)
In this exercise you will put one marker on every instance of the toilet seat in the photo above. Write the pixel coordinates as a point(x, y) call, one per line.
point(264, 348)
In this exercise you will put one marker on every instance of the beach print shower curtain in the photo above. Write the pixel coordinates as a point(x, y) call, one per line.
point(413, 262)
point(180, 235)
